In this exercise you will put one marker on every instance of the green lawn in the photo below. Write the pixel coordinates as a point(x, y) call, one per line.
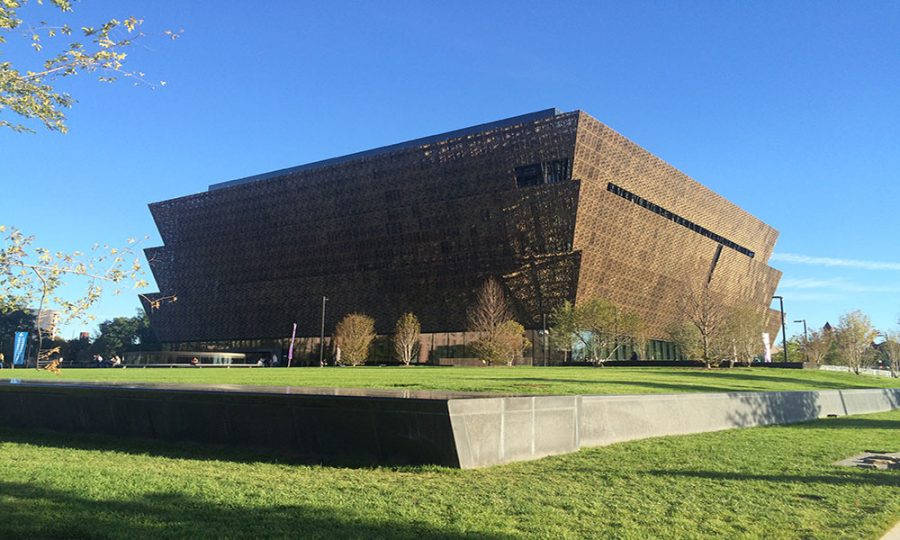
point(771, 482)
point(527, 380)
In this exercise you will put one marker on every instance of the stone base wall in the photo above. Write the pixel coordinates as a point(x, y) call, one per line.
point(502, 430)
point(374, 427)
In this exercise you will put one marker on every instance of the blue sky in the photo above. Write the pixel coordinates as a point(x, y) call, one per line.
point(790, 110)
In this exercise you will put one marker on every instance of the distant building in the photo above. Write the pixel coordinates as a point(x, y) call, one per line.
point(49, 322)
point(556, 205)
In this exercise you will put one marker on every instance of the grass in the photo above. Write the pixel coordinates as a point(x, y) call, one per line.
point(771, 482)
point(522, 380)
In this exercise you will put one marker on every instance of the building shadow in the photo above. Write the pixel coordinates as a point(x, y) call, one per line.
point(42, 512)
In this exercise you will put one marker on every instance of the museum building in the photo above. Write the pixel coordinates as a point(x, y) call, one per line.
point(555, 205)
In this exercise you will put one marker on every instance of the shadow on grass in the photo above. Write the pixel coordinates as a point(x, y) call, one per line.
point(744, 374)
point(852, 422)
point(32, 511)
point(175, 450)
point(852, 477)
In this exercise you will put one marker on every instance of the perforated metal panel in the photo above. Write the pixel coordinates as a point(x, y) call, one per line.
point(418, 227)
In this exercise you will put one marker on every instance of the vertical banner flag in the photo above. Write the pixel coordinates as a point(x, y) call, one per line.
point(765, 337)
point(19, 348)
point(291, 347)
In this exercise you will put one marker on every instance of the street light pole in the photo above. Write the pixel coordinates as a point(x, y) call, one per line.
point(783, 327)
point(322, 336)
point(805, 338)
point(544, 333)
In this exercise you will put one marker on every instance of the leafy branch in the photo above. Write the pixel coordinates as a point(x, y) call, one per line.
point(103, 50)
point(31, 275)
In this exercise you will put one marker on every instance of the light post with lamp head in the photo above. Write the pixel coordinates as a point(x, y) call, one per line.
point(805, 339)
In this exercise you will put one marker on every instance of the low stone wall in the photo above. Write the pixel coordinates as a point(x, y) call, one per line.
point(326, 425)
point(369, 426)
point(863, 371)
point(502, 430)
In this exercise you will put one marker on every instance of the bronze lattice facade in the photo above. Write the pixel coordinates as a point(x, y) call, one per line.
point(556, 205)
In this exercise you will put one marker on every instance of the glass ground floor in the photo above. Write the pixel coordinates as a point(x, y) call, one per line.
point(441, 348)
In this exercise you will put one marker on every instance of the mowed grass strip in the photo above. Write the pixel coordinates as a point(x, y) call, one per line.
point(518, 380)
point(771, 482)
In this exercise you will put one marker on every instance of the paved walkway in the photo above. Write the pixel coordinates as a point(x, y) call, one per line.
point(893, 534)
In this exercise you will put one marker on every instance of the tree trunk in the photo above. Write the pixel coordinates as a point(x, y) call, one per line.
point(37, 322)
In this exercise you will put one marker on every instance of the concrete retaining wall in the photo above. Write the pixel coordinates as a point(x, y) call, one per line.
point(502, 430)
point(863, 371)
point(325, 425)
point(399, 426)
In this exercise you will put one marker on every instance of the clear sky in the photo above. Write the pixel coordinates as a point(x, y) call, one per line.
point(791, 110)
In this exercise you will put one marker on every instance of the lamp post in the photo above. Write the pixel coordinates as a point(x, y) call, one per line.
point(805, 338)
point(322, 336)
point(783, 327)
point(545, 336)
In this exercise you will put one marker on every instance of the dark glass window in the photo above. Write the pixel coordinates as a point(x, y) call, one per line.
point(556, 171)
point(545, 172)
point(529, 175)
point(656, 209)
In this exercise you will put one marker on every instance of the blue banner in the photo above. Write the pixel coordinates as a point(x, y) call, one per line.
point(19, 348)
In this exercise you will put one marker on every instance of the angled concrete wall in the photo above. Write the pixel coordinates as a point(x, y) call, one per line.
point(361, 426)
point(325, 425)
point(502, 430)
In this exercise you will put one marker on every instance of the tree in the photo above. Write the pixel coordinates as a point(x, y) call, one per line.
point(491, 308)
point(795, 350)
point(406, 337)
point(511, 342)
point(122, 334)
point(487, 318)
point(604, 328)
point(601, 326)
point(563, 327)
point(76, 350)
point(853, 337)
point(706, 311)
point(741, 333)
point(686, 337)
point(30, 94)
point(32, 276)
point(818, 345)
point(354, 335)
point(114, 336)
point(890, 350)
point(506, 344)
